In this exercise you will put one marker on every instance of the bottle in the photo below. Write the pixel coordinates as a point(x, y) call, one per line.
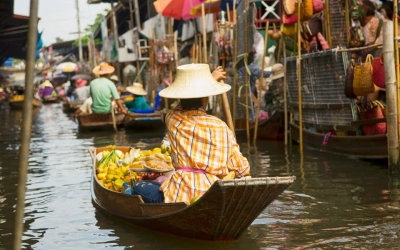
point(127, 188)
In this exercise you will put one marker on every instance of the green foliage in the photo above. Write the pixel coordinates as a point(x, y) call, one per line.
point(91, 28)
point(59, 39)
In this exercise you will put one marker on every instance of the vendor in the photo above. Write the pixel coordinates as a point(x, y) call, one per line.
point(203, 148)
point(139, 102)
point(46, 89)
point(82, 91)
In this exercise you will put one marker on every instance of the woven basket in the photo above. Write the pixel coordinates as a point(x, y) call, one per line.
point(363, 83)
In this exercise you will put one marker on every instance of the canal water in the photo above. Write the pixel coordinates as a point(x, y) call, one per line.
point(336, 202)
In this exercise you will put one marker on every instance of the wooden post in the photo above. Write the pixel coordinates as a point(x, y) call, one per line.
point(299, 79)
point(203, 14)
point(261, 83)
point(246, 78)
point(26, 125)
point(285, 107)
point(114, 27)
point(234, 63)
point(347, 13)
point(328, 23)
point(391, 97)
point(396, 56)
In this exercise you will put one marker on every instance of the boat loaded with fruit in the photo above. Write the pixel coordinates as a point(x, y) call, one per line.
point(197, 183)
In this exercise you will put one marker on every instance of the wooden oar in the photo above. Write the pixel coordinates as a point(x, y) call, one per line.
point(227, 111)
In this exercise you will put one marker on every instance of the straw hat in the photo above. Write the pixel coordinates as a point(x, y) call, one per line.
point(136, 89)
point(277, 71)
point(114, 78)
point(45, 84)
point(80, 83)
point(103, 69)
point(1, 90)
point(194, 81)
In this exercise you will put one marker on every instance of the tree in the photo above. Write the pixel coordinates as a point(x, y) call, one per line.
point(59, 39)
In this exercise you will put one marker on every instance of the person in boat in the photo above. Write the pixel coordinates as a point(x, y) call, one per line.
point(139, 102)
point(116, 81)
point(102, 88)
point(46, 89)
point(82, 91)
point(203, 148)
point(273, 97)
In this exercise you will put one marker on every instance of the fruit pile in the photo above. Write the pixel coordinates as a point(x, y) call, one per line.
point(18, 97)
point(114, 168)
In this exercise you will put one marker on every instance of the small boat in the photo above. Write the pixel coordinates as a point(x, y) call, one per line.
point(99, 121)
point(224, 212)
point(362, 147)
point(269, 129)
point(19, 104)
point(144, 120)
point(71, 106)
point(50, 99)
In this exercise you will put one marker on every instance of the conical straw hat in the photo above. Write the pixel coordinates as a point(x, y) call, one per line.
point(136, 89)
point(194, 81)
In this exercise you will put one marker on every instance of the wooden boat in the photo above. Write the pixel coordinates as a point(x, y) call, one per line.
point(223, 213)
point(50, 99)
point(144, 120)
point(99, 121)
point(269, 129)
point(363, 146)
point(71, 106)
point(19, 104)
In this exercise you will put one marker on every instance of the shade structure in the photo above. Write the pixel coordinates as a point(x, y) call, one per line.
point(177, 9)
point(210, 6)
point(67, 67)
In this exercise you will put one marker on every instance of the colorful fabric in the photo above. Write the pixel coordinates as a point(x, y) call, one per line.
point(204, 142)
point(47, 91)
point(139, 103)
point(101, 89)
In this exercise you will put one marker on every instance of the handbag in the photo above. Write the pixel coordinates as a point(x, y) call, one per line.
point(357, 38)
point(315, 25)
point(288, 30)
point(318, 6)
point(348, 81)
point(289, 19)
point(307, 10)
point(378, 72)
point(289, 6)
point(372, 110)
point(363, 84)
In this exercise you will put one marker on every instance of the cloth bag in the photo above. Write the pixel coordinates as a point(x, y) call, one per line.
point(357, 38)
point(318, 6)
point(289, 19)
point(307, 10)
point(363, 84)
point(378, 73)
point(372, 110)
point(348, 82)
point(289, 6)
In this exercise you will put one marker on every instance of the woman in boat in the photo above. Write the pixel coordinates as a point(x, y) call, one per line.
point(203, 148)
point(102, 88)
point(46, 89)
point(139, 102)
point(82, 91)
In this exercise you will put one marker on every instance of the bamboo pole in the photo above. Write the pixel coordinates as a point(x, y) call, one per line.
point(347, 16)
point(260, 83)
point(285, 107)
point(328, 22)
point(234, 64)
point(391, 97)
point(203, 19)
point(396, 56)
point(26, 124)
point(299, 79)
point(246, 78)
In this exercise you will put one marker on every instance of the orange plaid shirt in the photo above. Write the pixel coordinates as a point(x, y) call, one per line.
point(199, 141)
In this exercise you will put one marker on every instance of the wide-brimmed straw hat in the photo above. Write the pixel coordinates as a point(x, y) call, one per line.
point(194, 81)
point(103, 69)
point(1, 90)
point(80, 83)
point(136, 89)
point(277, 71)
point(45, 84)
point(114, 78)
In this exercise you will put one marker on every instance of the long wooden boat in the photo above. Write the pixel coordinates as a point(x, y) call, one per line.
point(19, 104)
point(144, 120)
point(51, 99)
point(363, 146)
point(224, 212)
point(71, 106)
point(99, 121)
point(269, 129)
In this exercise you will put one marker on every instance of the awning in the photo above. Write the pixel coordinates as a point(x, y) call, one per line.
point(13, 37)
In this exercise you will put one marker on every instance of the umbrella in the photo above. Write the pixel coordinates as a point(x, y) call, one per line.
point(210, 6)
point(177, 9)
point(82, 76)
point(67, 67)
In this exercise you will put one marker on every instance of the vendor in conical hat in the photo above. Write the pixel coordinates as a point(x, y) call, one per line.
point(203, 149)
point(102, 88)
point(45, 89)
point(139, 102)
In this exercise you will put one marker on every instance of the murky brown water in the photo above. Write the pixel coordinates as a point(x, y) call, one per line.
point(336, 202)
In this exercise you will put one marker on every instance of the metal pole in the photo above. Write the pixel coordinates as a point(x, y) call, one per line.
point(26, 124)
point(391, 96)
point(79, 31)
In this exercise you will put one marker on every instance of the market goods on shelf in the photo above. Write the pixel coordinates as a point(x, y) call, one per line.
point(113, 167)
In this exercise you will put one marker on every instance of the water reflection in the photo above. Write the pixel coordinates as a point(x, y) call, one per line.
point(336, 202)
